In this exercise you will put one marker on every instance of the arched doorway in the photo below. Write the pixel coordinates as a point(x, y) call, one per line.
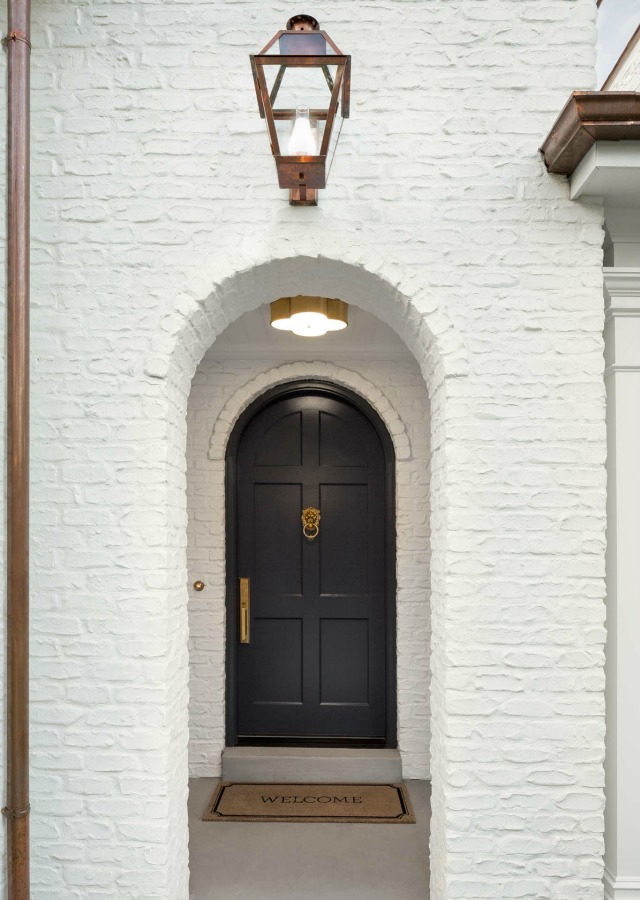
point(223, 388)
point(311, 612)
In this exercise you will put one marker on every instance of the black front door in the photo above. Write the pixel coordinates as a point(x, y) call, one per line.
point(315, 667)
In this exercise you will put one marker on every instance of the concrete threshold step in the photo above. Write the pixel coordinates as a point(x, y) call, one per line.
point(307, 765)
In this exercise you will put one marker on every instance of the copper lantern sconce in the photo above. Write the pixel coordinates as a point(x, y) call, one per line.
point(304, 123)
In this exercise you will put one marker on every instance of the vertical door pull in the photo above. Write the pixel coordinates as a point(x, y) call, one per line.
point(245, 601)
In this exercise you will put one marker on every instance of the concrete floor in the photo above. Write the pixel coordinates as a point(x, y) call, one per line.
point(323, 861)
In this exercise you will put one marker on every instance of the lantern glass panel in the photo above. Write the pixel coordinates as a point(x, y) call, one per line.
point(287, 140)
point(303, 43)
point(335, 135)
point(300, 87)
point(284, 128)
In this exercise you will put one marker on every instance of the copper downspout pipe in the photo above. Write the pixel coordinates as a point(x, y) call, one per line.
point(16, 811)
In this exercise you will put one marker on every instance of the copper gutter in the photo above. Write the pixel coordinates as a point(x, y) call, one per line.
point(587, 117)
point(16, 811)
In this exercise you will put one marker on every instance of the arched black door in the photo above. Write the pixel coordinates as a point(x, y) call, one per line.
point(312, 659)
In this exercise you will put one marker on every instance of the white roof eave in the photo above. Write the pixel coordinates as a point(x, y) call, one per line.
point(609, 171)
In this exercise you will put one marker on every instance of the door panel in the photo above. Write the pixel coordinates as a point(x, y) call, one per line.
point(344, 552)
point(316, 665)
point(280, 443)
point(340, 443)
point(344, 661)
point(277, 554)
point(277, 676)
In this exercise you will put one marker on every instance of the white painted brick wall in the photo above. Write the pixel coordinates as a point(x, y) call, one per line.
point(396, 389)
point(156, 221)
point(628, 76)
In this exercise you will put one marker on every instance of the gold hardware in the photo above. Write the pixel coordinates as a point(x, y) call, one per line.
point(244, 610)
point(310, 523)
point(334, 312)
point(198, 585)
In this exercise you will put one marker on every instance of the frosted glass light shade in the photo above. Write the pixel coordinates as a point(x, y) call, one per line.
point(302, 141)
point(309, 324)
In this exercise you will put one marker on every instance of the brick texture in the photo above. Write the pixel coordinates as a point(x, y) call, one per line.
point(627, 78)
point(157, 220)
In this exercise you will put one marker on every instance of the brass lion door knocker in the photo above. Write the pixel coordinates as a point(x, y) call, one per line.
point(310, 523)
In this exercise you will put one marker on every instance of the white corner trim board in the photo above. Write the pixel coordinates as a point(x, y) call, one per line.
point(620, 888)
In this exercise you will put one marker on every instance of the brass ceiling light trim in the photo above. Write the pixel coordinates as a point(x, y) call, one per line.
point(309, 316)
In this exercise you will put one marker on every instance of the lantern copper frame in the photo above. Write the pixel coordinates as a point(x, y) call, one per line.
point(302, 175)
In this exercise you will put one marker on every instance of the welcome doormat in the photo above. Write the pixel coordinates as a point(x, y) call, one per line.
point(383, 803)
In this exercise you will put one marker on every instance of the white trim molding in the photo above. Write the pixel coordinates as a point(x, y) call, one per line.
point(611, 171)
point(621, 288)
point(622, 320)
point(620, 888)
point(622, 777)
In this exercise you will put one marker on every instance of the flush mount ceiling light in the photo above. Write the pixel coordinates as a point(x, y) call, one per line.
point(309, 316)
point(301, 128)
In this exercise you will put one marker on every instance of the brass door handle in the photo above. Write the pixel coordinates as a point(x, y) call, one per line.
point(245, 604)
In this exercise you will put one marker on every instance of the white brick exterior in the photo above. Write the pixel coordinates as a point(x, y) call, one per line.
point(396, 390)
point(627, 78)
point(156, 221)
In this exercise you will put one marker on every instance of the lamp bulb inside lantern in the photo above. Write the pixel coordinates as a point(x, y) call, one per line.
point(302, 141)
point(308, 324)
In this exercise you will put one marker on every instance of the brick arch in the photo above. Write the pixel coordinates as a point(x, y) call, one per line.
point(401, 299)
point(387, 291)
point(322, 371)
